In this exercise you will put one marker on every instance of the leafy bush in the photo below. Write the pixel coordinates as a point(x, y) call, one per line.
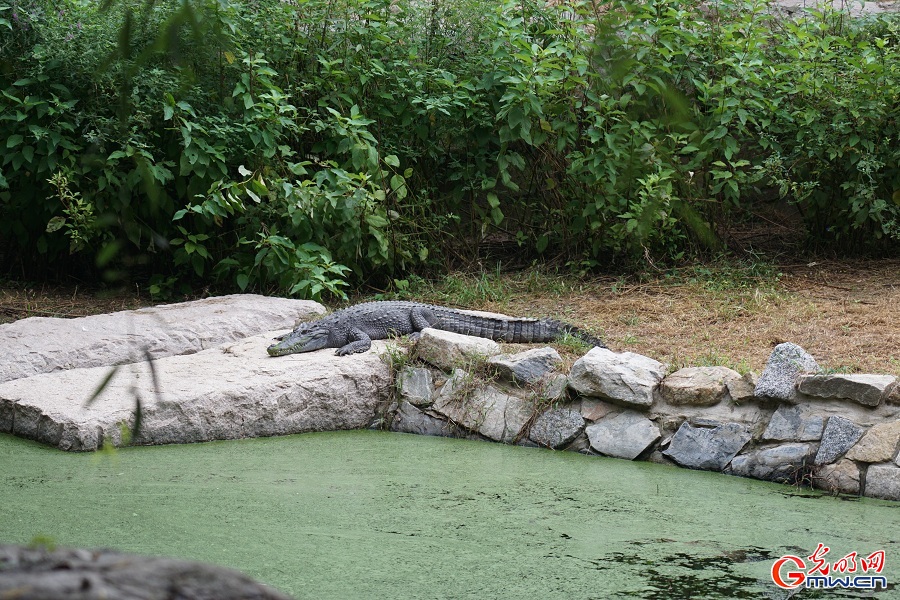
point(295, 146)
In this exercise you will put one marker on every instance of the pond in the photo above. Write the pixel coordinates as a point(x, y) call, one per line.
point(370, 514)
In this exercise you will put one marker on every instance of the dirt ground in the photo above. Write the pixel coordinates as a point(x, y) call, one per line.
point(846, 314)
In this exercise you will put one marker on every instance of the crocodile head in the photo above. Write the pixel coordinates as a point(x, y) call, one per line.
point(304, 339)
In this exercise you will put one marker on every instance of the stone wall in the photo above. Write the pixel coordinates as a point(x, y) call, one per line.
point(212, 379)
point(793, 424)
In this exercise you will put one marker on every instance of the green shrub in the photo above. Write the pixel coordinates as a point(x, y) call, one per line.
point(298, 146)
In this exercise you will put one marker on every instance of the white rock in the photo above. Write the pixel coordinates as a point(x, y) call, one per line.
point(228, 392)
point(626, 378)
point(447, 350)
point(43, 345)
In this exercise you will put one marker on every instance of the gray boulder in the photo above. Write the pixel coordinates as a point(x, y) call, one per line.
point(73, 573)
point(416, 386)
point(883, 481)
point(697, 386)
point(409, 419)
point(447, 350)
point(708, 448)
point(868, 390)
point(229, 392)
point(839, 436)
point(556, 427)
point(779, 377)
point(625, 435)
point(795, 423)
point(625, 378)
point(784, 464)
point(494, 414)
point(526, 367)
point(43, 345)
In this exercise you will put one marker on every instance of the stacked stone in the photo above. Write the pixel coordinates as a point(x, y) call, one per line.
point(212, 379)
point(792, 425)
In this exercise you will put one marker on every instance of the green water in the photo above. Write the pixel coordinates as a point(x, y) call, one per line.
point(380, 515)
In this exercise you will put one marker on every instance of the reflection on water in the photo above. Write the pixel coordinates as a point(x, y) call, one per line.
point(379, 515)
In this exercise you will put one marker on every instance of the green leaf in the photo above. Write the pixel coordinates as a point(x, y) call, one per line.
point(392, 161)
point(14, 140)
point(168, 112)
point(55, 224)
point(243, 280)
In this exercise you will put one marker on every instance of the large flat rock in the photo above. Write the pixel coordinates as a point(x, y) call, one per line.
point(44, 345)
point(228, 392)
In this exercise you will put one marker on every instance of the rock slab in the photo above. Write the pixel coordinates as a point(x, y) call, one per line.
point(409, 419)
point(228, 392)
point(43, 345)
point(625, 378)
point(708, 448)
point(794, 423)
point(779, 377)
point(447, 350)
point(625, 435)
point(784, 464)
point(75, 573)
point(526, 367)
point(867, 390)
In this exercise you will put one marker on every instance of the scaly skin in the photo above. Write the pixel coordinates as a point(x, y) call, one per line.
point(352, 329)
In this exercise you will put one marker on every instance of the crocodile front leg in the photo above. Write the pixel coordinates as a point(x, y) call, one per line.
point(360, 342)
point(420, 318)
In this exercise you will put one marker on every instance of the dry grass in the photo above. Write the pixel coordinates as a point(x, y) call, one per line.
point(846, 314)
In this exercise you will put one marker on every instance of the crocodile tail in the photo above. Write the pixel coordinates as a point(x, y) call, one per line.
point(520, 331)
point(560, 328)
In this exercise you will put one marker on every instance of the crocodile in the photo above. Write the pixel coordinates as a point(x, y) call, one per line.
point(352, 329)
